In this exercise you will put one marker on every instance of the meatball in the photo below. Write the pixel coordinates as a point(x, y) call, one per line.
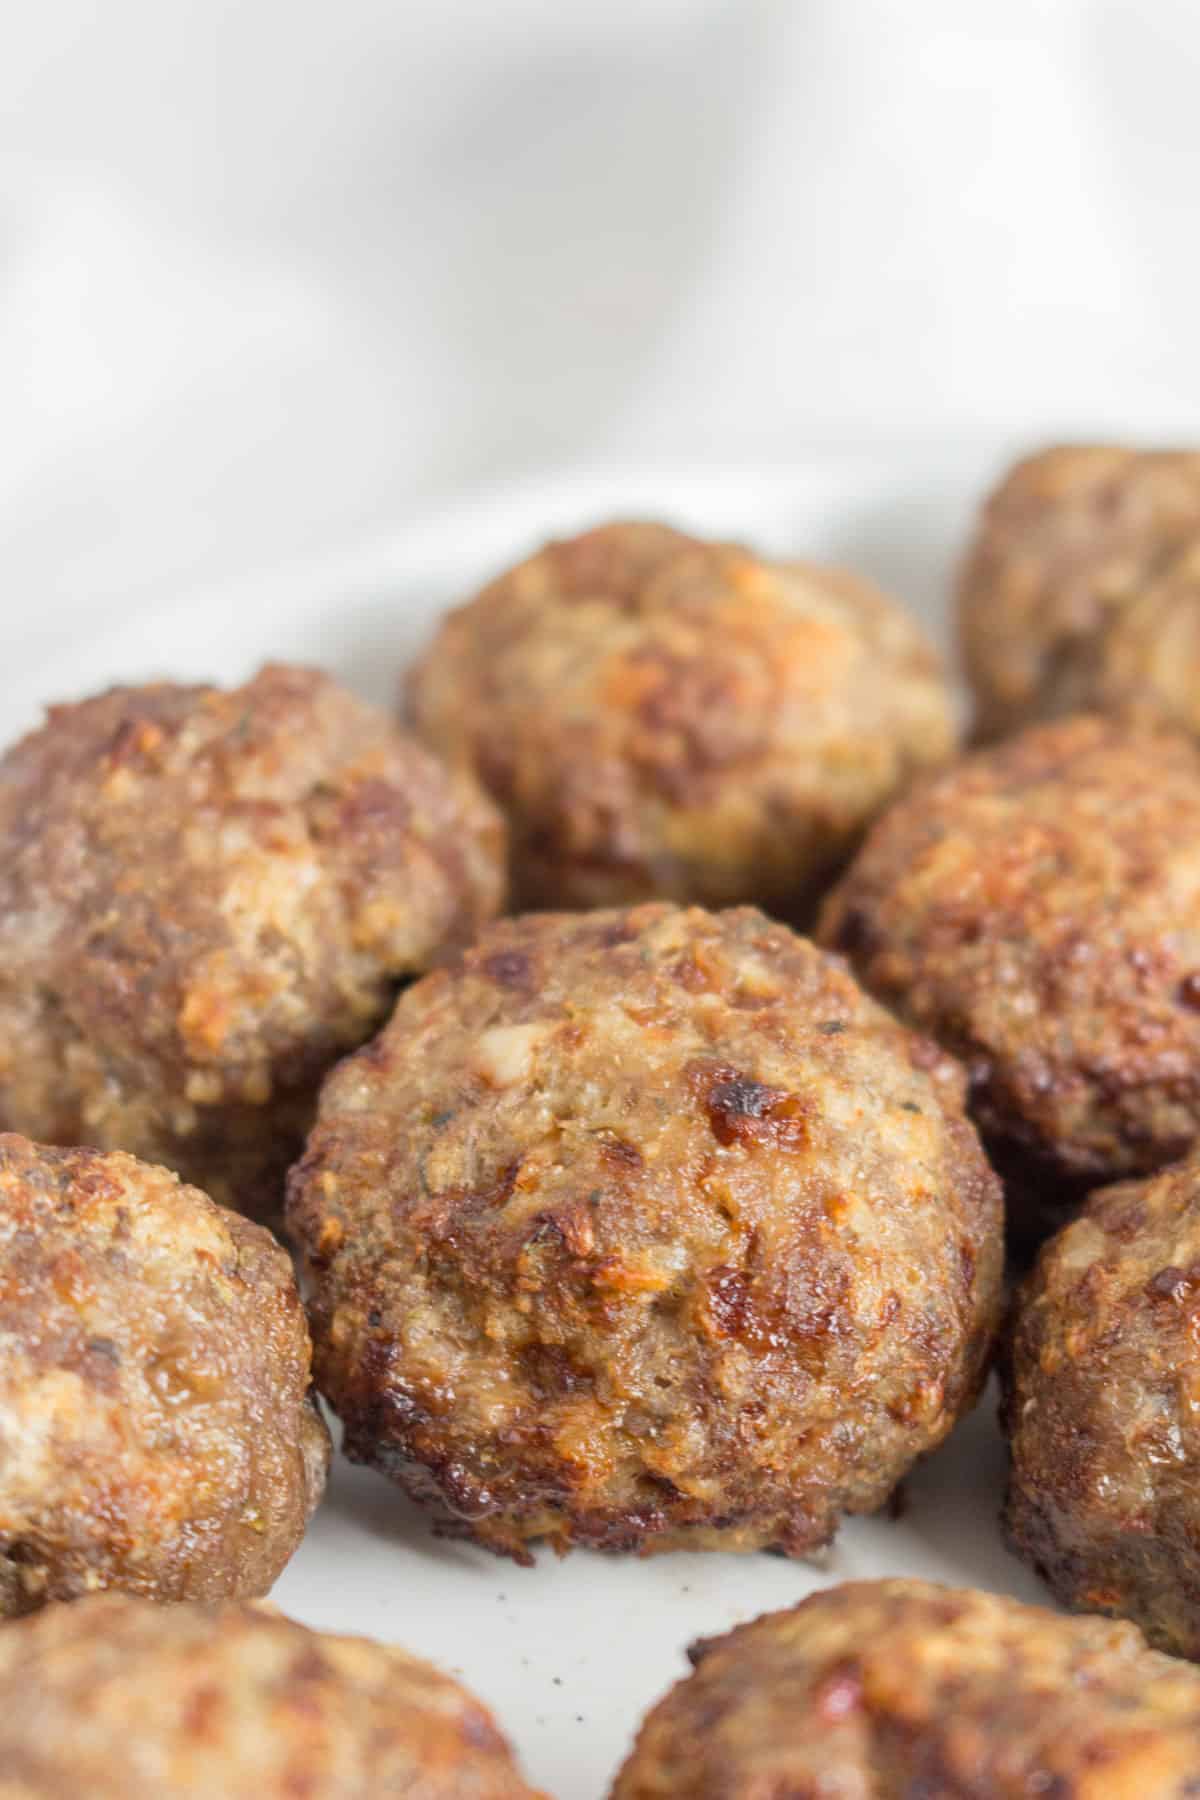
point(887, 1689)
point(115, 1697)
point(1037, 910)
point(157, 1432)
point(647, 1230)
point(1080, 591)
point(1103, 1409)
point(205, 899)
point(666, 718)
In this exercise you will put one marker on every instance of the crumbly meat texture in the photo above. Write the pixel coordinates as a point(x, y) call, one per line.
point(647, 1230)
point(117, 1699)
point(1037, 910)
point(157, 1430)
point(205, 898)
point(662, 717)
point(1102, 1409)
point(1079, 592)
point(884, 1690)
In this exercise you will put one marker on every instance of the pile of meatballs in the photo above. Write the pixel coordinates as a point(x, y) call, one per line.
point(643, 1090)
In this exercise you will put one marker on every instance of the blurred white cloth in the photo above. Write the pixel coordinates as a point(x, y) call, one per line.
point(272, 271)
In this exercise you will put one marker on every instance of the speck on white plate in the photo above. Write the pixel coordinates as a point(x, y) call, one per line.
point(569, 1654)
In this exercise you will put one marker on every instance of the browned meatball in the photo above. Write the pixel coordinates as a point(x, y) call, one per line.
point(647, 1230)
point(1081, 590)
point(205, 898)
point(116, 1699)
point(156, 1427)
point(887, 1690)
point(1037, 910)
point(1103, 1409)
point(667, 718)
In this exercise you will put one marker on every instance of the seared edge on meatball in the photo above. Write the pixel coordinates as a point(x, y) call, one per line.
point(647, 1229)
point(662, 717)
point(1078, 592)
point(157, 1431)
point(1102, 1409)
point(1037, 910)
point(116, 1697)
point(882, 1689)
point(205, 898)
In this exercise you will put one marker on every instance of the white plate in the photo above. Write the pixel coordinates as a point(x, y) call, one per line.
point(570, 1654)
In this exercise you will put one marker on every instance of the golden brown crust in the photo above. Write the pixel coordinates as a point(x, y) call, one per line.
point(205, 898)
point(117, 1698)
point(1103, 1409)
point(884, 1690)
point(1037, 910)
point(647, 1229)
point(664, 717)
point(1079, 591)
point(157, 1432)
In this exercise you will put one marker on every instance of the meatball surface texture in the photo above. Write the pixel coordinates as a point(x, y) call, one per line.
point(205, 898)
point(647, 1229)
point(662, 717)
point(1081, 589)
point(1037, 910)
point(157, 1432)
point(883, 1690)
point(1103, 1409)
point(118, 1699)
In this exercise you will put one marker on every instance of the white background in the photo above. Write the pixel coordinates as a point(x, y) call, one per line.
point(273, 271)
point(276, 274)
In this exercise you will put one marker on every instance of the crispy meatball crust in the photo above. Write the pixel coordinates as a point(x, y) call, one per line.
point(1081, 590)
point(647, 1230)
point(157, 1431)
point(662, 717)
point(1103, 1409)
point(205, 898)
point(1037, 910)
point(882, 1689)
point(120, 1700)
